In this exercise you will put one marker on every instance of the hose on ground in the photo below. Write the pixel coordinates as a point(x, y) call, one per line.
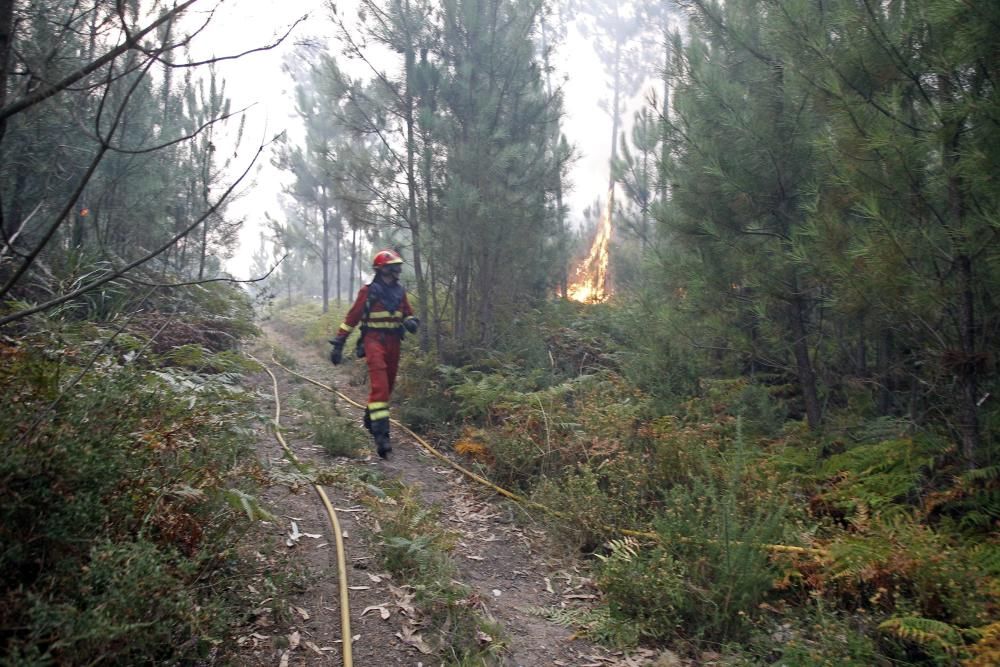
point(654, 537)
point(345, 609)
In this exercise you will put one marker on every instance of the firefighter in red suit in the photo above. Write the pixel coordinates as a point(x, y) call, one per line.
point(384, 314)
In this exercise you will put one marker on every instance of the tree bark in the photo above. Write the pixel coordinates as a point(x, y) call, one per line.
point(803, 364)
point(325, 260)
point(968, 364)
point(6, 42)
point(969, 368)
point(354, 264)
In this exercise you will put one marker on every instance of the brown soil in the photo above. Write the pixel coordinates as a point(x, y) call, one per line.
point(500, 554)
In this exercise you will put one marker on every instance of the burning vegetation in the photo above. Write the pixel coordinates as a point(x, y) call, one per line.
point(589, 282)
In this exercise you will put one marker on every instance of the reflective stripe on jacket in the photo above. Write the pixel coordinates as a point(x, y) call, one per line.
point(378, 317)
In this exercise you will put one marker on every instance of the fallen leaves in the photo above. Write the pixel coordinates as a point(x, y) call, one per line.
point(408, 635)
point(294, 535)
point(380, 608)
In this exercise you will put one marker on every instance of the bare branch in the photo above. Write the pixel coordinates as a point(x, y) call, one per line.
point(71, 201)
point(235, 56)
point(193, 134)
point(9, 242)
point(21, 314)
point(207, 280)
point(131, 41)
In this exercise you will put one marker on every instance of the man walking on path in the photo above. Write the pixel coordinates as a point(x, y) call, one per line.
point(384, 314)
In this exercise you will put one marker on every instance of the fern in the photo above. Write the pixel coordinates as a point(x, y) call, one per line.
point(855, 557)
point(982, 475)
point(239, 500)
point(881, 474)
point(986, 651)
point(929, 635)
point(596, 624)
point(625, 550)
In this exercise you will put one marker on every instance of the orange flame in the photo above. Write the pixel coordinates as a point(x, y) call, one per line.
point(590, 279)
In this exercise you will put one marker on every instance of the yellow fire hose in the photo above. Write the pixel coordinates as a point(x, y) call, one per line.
point(345, 609)
point(775, 548)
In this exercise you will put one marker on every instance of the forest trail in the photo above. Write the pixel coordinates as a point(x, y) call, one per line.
point(507, 563)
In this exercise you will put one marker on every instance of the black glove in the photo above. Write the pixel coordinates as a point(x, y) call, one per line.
point(337, 353)
point(411, 324)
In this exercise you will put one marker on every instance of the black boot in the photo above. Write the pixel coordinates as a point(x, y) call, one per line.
point(367, 421)
point(380, 432)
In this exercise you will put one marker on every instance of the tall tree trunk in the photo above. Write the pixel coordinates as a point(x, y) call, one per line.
point(337, 255)
point(661, 180)
point(6, 42)
point(354, 264)
point(204, 249)
point(325, 260)
point(883, 366)
point(968, 365)
point(803, 364)
point(411, 185)
point(615, 123)
point(205, 177)
point(556, 138)
point(429, 205)
point(969, 368)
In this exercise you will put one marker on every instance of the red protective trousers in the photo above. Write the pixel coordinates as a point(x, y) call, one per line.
point(382, 353)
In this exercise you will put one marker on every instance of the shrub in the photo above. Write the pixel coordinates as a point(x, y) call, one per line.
point(415, 549)
point(897, 565)
point(594, 501)
point(113, 504)
point(646, 586)
point(338, 436)
point(132, 603)
point(308, 322)
point(809, 636)
point(879, 474)
point(712, 528)
point(422, 393)
point(722, 542)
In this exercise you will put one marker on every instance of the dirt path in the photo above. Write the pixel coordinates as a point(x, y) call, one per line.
point(507, 563)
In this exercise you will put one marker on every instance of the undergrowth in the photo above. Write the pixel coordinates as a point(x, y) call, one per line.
point(578, 413)
point(336, 433)
point(125, 485)
point(414, 547)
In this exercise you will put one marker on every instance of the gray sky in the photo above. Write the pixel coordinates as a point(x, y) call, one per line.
point(257, 80)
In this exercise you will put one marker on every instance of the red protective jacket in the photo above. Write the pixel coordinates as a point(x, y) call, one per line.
point(382, 334)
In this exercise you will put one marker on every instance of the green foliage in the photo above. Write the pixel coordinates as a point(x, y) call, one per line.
point(644, 586)
point(545, 433)
point(719, 533)
point(200, 359)
point(336, 434)
point(810, 636)
point(286, 360)
point(117, 507)
point(942, 642)
point(597, 623)
point(594, 500)
point(899, 565)
point(974, 500)
point(414, 547)
point(424, 402)
point(132, 603)
point(656, 357)
point(878, 474)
